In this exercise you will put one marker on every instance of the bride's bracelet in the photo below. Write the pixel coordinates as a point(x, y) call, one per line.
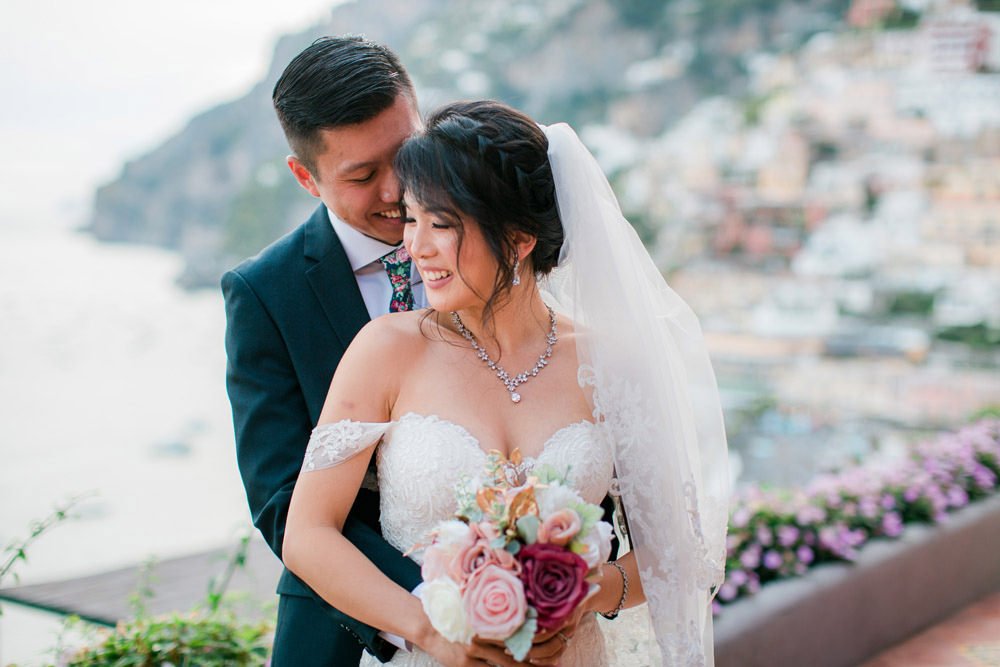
point(613, 614)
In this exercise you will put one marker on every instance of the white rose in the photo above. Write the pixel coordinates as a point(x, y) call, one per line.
point(442, 602)
point(598, 544)
point(555, 497)
point(452, 532)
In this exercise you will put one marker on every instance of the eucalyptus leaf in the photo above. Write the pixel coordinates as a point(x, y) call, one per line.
point(519, 643)
point(589, 515)
point(527, 528)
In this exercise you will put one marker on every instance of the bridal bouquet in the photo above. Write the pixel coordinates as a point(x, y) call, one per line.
point(518, 559)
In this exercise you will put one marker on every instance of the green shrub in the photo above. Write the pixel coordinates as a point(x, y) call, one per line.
point(912, 303)
point(208, 636)
point(974, 335)
point(195, 639)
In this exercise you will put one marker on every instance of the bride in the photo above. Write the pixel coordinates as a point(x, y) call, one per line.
point(549, 331)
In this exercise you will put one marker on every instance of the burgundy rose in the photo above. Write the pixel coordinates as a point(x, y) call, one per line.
point(554, 582)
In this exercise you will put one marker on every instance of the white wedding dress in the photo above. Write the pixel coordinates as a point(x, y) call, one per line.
point(654, 391)
point(421, 459)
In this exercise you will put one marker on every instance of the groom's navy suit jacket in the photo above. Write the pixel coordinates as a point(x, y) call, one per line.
point(291, 313)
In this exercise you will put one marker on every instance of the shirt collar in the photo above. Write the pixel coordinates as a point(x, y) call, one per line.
point(361, 250)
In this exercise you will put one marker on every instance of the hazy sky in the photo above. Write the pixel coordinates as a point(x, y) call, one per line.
point(87, 85)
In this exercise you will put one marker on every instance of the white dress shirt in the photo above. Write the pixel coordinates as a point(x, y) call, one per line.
point(363, 252)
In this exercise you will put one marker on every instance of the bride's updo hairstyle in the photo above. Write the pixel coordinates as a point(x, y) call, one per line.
point(487, 162)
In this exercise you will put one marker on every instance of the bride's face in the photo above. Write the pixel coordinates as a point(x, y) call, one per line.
point(455, 263)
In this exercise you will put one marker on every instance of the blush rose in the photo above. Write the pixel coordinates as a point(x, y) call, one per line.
point(560, 527)
point(452, 539)
point(470, 558)
point(495, 604)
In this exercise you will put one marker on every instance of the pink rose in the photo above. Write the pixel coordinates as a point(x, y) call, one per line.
point(485, 530)
point(468, 559)
point(447, 545)
point(495, 604)
point(554, 582)
point(437, 557)
point(560, 527)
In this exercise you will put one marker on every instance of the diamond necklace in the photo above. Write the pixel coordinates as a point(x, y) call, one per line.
point(512, 383)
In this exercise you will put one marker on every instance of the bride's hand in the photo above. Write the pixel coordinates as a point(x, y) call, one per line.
point(548, 647)
point(477, 654)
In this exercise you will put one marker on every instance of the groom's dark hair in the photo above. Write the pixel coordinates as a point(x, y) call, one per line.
point(336, 81)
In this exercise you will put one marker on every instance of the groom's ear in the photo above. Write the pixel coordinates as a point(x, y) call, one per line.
point(302, 175)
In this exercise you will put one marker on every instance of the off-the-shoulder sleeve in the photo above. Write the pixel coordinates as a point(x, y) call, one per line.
point(334, 443)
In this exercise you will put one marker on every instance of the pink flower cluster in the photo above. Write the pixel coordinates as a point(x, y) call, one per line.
point(517, 560)
point(777, 534)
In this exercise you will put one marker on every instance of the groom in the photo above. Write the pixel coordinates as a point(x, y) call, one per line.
point(345, 105)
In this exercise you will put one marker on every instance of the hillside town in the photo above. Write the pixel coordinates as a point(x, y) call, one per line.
point(838, 232)
point(820, 180)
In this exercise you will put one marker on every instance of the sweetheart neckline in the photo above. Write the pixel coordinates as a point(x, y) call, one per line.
point(473, 440)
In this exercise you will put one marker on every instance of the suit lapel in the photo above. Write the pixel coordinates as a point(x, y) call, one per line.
point(332, 279)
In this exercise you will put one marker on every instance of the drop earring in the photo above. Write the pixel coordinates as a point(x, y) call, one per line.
point(517, 273)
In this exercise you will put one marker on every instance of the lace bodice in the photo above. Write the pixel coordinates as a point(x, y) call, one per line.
point(419, 448)
point(421, 459)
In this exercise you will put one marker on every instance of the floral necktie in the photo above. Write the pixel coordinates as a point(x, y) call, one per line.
point(397, 265)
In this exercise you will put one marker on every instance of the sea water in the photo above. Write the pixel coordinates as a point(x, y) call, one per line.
point(112, 386)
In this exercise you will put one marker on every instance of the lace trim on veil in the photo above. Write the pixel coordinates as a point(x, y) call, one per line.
point(675, 590)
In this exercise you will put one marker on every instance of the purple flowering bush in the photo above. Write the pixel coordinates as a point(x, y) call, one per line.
point(775, 534)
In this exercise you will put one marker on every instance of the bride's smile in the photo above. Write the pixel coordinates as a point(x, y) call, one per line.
point(452, 256)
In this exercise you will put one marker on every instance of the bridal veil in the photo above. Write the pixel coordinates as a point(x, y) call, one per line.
point(643, 353)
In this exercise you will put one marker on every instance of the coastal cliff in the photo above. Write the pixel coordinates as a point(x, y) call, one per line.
point(218, 190)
